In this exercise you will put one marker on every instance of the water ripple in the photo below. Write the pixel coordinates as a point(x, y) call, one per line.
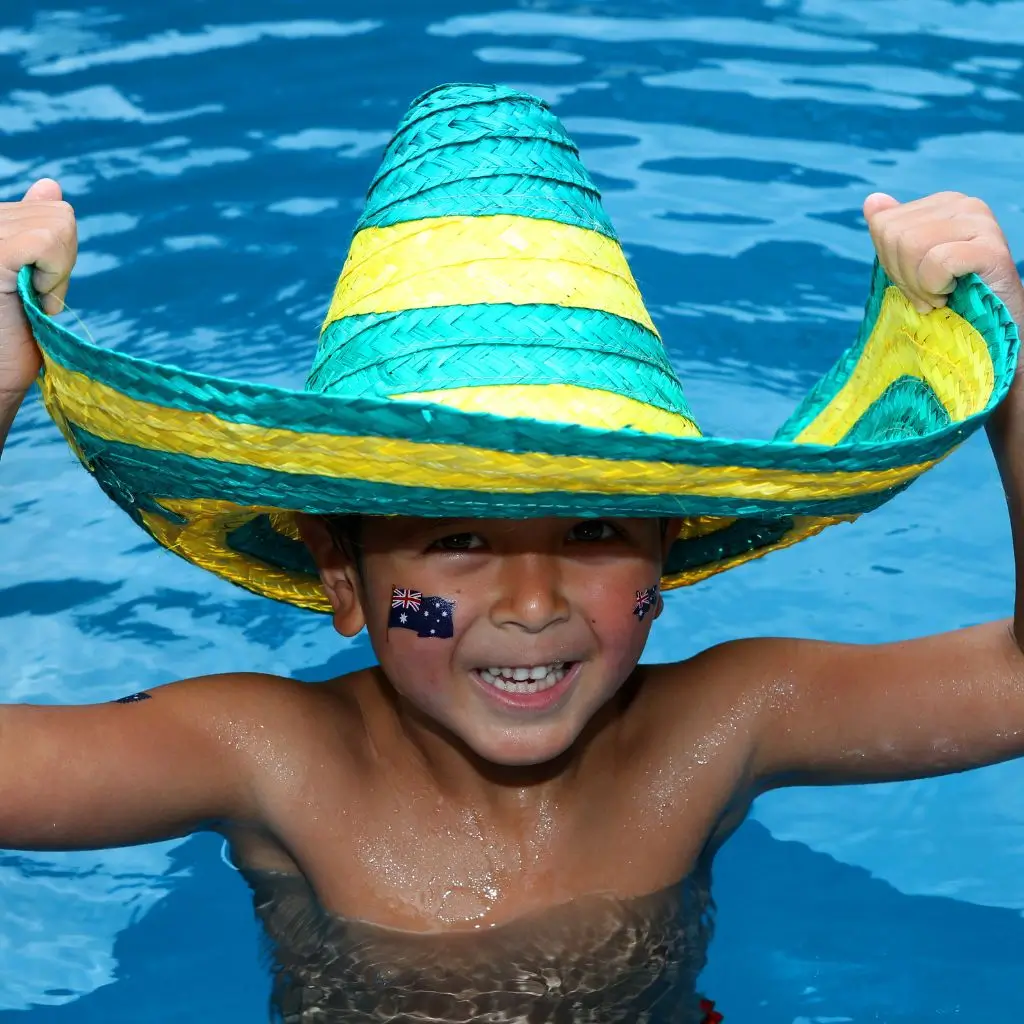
point(217, 37)
point(709, 31)
point(974, 21)
point(858, 84)
point(28, 110)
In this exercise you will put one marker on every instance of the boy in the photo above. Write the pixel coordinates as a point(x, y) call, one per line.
point(519, 778)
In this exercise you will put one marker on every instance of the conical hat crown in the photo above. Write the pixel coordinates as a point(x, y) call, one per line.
point(485, 276)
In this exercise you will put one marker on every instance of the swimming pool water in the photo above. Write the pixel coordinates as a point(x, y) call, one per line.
point(217, 154)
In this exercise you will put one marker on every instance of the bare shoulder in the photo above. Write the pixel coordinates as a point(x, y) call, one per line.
point(720, 693)
point(730, 675)
point(263, 714)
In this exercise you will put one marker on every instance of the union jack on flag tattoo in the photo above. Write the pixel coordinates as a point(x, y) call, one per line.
point(402, 598)
point(644, 602)
point(429, 617)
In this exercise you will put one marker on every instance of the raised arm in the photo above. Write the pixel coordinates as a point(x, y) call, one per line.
point(843, 713)
point(109, 774)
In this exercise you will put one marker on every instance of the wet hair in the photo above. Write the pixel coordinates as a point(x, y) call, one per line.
point(347, 533)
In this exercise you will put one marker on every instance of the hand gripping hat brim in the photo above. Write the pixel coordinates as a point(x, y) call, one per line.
point(487, 354)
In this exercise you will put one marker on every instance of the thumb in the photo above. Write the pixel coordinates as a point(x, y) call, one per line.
point(877, 202)
point(43, 189)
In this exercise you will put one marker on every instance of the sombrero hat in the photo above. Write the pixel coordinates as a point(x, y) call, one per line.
point(487, 354)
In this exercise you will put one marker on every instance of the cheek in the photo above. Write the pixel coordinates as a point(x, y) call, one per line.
point(621, 627)
point(419, 668)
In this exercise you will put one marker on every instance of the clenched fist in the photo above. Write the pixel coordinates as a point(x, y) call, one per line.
point(927, 244)
point(38, 231)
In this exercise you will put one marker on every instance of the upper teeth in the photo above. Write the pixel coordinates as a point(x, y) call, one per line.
point(524, 679)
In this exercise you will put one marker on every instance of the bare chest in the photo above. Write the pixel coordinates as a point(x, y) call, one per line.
point(418, 861)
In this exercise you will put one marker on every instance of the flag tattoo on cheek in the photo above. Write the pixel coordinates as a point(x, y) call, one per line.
point(429, 617)
point(645, 601)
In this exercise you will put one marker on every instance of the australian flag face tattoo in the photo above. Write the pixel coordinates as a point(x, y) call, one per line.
point(645, 602)
point(429, 617)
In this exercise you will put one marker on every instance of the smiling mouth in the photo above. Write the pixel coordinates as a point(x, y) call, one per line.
point(525, 679)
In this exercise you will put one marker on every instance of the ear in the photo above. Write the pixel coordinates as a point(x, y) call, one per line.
point(338, 573)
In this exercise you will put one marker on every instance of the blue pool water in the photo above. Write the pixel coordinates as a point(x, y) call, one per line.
point(217, 154)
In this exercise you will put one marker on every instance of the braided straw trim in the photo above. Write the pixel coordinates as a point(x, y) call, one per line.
point(113, 416)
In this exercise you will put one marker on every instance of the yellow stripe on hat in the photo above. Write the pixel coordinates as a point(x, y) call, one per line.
point(561, 403)
point(464, 261)
point(114, 416)
point(942, 349)
point(202, 540)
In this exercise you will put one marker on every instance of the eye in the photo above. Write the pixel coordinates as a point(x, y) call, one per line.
point(593, 530)
point(457, 542)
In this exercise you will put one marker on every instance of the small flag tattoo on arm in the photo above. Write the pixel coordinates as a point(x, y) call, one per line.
point(645, 601)
point(429, 617)
point(132, 698)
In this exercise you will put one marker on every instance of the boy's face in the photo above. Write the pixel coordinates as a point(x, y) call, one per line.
point(555, 600)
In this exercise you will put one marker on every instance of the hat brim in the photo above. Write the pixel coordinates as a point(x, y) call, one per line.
point(214, 469)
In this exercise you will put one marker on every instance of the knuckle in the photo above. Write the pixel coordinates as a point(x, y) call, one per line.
point(972, 204)
point(65, 213)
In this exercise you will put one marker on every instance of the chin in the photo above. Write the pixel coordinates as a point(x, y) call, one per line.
point(521, 751)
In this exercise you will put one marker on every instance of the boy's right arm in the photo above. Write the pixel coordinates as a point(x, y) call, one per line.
point(89, 776)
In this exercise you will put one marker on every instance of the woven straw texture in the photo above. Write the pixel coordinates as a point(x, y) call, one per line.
point(487, 353)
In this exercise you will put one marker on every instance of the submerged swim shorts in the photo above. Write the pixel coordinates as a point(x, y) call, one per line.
point(711, 1015)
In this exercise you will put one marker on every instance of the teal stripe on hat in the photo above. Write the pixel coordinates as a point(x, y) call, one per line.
point(132, 475)
point(419, 350)
point(500, 194)
point(735, 539)
point(495, 149)
point(513, 118)
point(907, 408)
point(454, 95)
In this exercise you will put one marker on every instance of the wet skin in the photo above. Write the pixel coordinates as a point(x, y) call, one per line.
point(410, 797)
point(437, 805)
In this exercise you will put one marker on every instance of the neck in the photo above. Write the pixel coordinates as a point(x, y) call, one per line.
point(463, 775)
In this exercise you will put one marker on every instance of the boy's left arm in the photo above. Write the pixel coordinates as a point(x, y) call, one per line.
point(845, 713)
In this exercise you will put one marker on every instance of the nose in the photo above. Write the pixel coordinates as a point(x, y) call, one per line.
point(530, 595)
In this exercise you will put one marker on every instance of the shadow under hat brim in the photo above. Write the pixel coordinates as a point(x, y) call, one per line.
point(215, 468)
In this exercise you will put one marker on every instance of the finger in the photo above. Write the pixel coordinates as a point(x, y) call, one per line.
point(51, 256)
point(944, 264)
point(876, 203)
point(908, 261)
point(904, 237)
point(43, 189)
point(54, 302)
